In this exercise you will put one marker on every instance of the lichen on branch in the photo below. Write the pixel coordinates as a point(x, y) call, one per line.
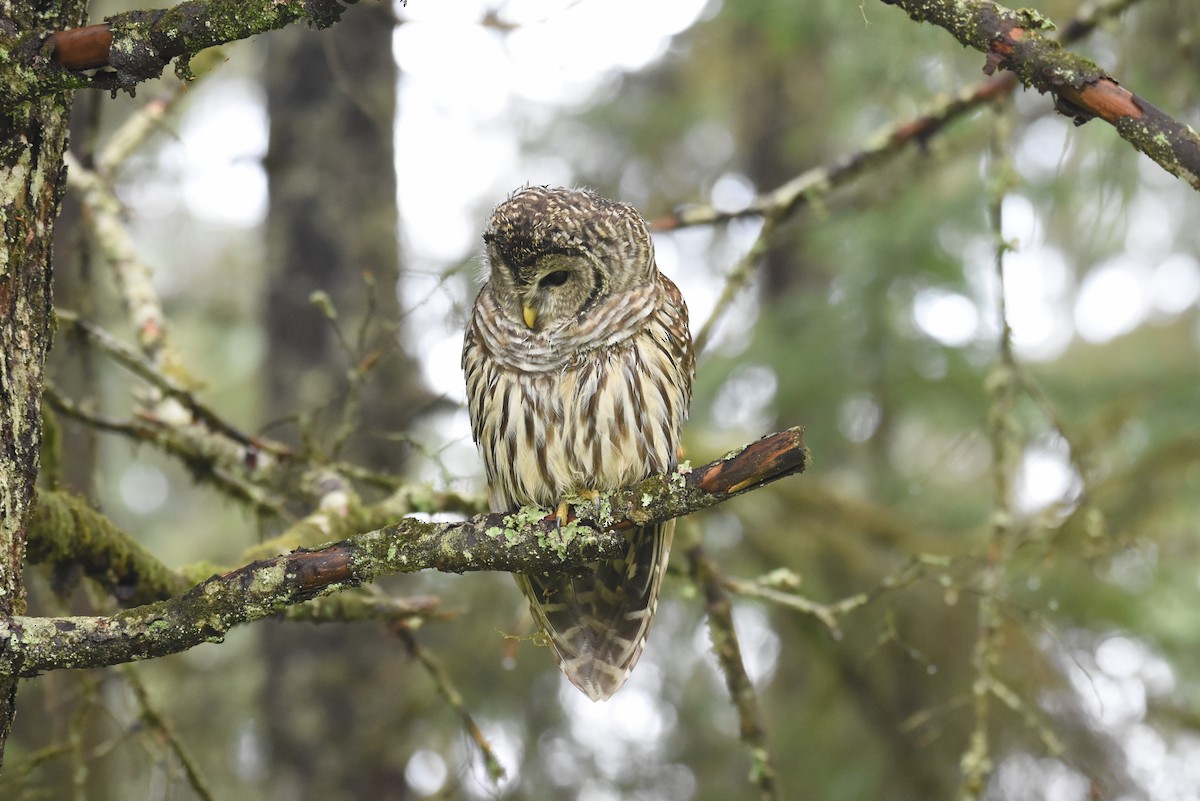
point(135, 46)
point(527, 541)
point(1014, 40)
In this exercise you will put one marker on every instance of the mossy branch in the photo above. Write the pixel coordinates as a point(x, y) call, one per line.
point(66, 532)
point(1013, 40)
point(135, 46)
point(527, 541)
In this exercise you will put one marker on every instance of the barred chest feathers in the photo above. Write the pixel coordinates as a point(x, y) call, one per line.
point(599, 409)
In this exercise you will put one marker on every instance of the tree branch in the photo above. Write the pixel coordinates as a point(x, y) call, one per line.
point(1012, 41)
point(526, 541)
point(707, 577)
point(103, 217)
point(171, 387)
point(65, 531)
point(817, 182)
point(136, 46)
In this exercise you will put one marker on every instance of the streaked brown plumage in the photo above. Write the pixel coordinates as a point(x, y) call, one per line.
point(579, 368)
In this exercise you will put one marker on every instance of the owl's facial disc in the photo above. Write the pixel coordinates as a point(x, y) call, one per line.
point(556, 288)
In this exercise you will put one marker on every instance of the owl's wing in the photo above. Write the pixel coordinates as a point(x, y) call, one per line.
point(597, 624)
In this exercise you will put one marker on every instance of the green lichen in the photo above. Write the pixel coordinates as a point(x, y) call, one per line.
point(526, 517)
point(269, 577)
point(760, 765)
point(558, 539)
point(677, 478)
point(606, 512)
point(1035, 20)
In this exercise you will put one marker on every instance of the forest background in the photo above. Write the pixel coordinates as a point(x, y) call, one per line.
point(983, 314)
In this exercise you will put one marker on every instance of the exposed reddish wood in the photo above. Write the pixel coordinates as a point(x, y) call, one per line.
point(316, 570)
point(770, 458)
point(82, 48)
point(1105, 98)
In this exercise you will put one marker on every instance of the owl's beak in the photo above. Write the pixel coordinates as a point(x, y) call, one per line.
point(530, 315)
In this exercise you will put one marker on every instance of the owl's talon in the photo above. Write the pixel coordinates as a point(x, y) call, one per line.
point(562, 512)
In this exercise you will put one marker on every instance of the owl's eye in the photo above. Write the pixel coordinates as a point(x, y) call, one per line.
point(556, 278)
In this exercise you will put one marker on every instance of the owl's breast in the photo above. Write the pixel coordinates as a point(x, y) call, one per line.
point(601, 409)
point(605, 419)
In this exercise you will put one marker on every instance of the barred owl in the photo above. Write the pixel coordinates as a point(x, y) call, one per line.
point(579, 369)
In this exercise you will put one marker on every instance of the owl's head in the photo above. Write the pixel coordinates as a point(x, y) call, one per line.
point(555, 252)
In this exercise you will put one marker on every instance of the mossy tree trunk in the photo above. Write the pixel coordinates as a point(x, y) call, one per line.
point(33, 136)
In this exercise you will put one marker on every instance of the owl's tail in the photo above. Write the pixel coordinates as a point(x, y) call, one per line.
point(597, 624)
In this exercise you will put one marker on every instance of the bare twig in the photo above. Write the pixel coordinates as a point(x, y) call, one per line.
point(708, 579)
point(159, 724)
point(136, 128)
point(445, 687)
point(171, 387)
point(102, 214)
point(235, 469)
point(977, 763)
point(784, 201)
point(828, 613)
point(737, 279)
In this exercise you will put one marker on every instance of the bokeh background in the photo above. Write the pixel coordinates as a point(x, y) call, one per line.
point(1025, 532)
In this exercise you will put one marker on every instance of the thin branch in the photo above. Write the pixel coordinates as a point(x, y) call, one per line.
point(445, 687)
point(708, 579)
point(1032, 720)
point(1012, 40)
point(977, 763)
point(779, 204)
point(208, 457)
point(738, 279)
point(769, 589)
point(158, 723)
point(818, 182)
point(254, 469)
point(785, 200)
point(102, 214)
point(147, 370)
point(526, 541)
point(136, 129)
